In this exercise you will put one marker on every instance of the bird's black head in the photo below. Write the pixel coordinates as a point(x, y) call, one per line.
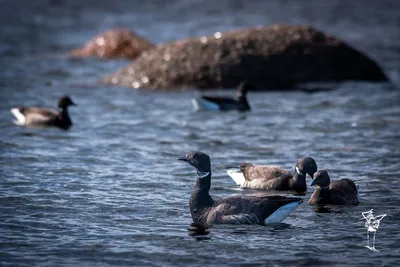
point(65, 101)
point(199, 160)
point(321, 178)
point(306, 165)
point(244, 87)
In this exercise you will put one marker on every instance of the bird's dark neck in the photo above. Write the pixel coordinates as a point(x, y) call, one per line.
point(323, 194)
point(64, 119)
point(203, 180)
point(200, 197)
point(298, 182)
point(63, 111)
point(242, 100)
point(241, 97)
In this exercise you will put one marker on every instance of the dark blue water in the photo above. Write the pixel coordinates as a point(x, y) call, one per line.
point(111, 192)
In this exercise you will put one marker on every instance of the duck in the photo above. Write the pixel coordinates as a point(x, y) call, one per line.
point(220, 103)
point(45, 117)
point(342, 192)
point(271, 177)
point(239, 209)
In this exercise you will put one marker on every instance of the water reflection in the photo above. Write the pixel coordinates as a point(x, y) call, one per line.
point(199, 231)
point(328, 209)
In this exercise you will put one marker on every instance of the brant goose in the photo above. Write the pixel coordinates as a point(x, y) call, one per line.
point(342, 192)
point(274, 177)
point(224, 103)
point(234, 209)
point(36, 116)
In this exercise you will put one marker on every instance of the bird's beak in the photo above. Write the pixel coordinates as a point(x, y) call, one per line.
point(73, 104)
point(314, 182)
point(183, 158)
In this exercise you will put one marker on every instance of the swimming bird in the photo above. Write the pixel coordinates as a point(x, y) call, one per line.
point(225, 103)
point(44, 117)
point(233, 209)
point(274, 177)
point(342, 192)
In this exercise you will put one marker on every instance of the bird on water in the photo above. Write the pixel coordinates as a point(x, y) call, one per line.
point(220, 103)
point(342, 192)
point(45, 117)
point(271, 177)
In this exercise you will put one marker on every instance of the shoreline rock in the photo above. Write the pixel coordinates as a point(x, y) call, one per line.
point(270, 57)
point(114, 43)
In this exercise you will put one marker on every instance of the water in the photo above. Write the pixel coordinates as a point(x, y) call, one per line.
point(111, 192)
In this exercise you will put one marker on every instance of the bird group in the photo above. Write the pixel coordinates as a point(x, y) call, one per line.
point(234, 209)
point(268, 209)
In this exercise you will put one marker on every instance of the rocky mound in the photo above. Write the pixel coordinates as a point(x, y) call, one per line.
point(115, 43)
point(271, 57)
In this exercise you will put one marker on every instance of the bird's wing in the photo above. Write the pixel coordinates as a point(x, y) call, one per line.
point(252, 210)
point(232, 210)
point(39, 115)
point(241, 218)
point(265, 172)
point(343, 191)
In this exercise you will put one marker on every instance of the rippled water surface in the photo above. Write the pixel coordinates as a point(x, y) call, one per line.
point(111, 192)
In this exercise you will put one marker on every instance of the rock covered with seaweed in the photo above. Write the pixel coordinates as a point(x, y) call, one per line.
point(114, 43)
point(271, 57)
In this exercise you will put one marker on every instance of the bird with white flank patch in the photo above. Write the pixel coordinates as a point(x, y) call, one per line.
point(233, 209)
point(45, 117)
point(270, 177)
point(219, 103)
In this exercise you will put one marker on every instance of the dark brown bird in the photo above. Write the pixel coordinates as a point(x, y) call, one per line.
point(342, 192)
point(274, 177)
point(45, 117)
point(221, 103)
point(234, 209)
